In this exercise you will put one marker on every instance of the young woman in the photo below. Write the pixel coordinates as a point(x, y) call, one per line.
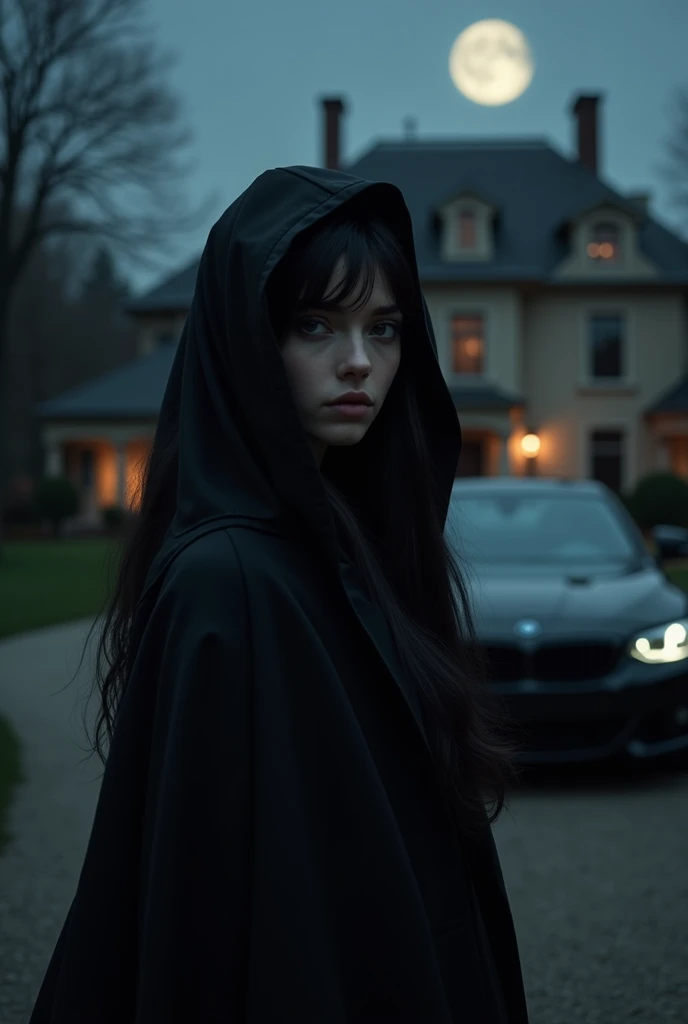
point(293, 823)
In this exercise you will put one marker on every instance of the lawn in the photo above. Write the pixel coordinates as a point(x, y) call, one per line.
point(43, 583)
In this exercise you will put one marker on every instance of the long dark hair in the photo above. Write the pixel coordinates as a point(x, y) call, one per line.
point(424, 595)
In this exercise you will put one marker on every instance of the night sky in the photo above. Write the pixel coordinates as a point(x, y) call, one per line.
point(250, 73)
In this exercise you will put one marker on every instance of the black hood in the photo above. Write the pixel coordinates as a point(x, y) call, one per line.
point(243, 452)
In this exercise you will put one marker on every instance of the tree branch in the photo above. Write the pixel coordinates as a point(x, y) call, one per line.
point(88, 120)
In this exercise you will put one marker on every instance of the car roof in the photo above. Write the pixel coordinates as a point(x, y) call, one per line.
point(526, 485)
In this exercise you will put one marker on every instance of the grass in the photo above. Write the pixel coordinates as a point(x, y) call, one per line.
point(10, 774)
point(44, 583)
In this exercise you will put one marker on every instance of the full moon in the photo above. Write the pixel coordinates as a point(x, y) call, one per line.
point(491, 63)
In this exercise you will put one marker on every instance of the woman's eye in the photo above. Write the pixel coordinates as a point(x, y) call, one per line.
point(391, 330)
point(311, 326)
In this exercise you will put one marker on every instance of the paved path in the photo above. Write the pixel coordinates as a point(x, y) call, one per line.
point(596, 865)
point(53, 810)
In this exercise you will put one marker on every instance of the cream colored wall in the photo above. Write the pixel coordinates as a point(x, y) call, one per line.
point(150, 327)
point(501, 308)
point(564, 405)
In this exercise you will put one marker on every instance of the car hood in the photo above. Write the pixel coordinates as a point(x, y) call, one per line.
point(603, 603)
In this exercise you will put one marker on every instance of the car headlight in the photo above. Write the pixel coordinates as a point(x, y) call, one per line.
point(660, 645)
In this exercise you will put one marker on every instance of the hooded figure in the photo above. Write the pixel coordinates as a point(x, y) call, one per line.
point(291, 824)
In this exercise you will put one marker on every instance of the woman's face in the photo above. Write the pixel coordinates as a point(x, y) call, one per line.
point(331, 353)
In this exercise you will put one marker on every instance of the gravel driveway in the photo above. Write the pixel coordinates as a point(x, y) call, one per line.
point(596, 865)
point(597, 871)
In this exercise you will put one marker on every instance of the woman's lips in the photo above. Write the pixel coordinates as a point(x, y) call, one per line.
point(351, 410)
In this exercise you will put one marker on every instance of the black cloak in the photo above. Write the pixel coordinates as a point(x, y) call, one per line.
point(270, 842)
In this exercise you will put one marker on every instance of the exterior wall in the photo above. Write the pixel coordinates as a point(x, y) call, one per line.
point(502, 312)
point(564, 405)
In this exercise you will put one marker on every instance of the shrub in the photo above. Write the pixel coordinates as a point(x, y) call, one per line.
point(659, 498)
point(55, 499)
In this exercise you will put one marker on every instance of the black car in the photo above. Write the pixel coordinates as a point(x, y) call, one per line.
point(585, 637)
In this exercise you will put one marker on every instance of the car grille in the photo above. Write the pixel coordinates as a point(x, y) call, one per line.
point(551, 663)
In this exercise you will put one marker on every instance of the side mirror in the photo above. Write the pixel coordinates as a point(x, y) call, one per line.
point(669, 542)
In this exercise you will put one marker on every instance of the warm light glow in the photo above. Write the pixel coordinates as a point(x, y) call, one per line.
point(491, 63)
point(472, 347)
point(530, 445)
point(593, 250)
point(606, 250)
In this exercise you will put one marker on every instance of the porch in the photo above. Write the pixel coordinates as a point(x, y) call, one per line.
point(105, 463)
point(491, 429)
point(667, 424)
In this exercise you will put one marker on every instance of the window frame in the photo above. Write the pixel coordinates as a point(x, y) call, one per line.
point(459, 218)
point(622, 353)
point(483, 251)
point(594, 226)
point(612, 385)
point(469, 313)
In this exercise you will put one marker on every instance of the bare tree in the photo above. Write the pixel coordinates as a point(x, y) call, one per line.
point(674, 167)
point(91, 140)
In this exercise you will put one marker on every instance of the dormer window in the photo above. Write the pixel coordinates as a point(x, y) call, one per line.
point(605, 242)
point(467, 230)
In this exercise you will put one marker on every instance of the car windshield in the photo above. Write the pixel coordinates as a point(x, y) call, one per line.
point(524, 528)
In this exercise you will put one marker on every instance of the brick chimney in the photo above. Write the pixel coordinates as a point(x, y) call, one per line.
point(333, 110)
point(585, 111)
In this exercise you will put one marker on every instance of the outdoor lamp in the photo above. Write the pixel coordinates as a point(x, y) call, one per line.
point(530, 445)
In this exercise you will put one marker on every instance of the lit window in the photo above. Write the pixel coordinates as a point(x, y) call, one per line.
point(468, 344)
point(604, 242)
point(606, 346)
point(467, 225)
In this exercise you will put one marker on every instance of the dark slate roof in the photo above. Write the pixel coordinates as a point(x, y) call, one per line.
point(483, 399)
point(536, 190)
point(133, 391)
point(674, 400)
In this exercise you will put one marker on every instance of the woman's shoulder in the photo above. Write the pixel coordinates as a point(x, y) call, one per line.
point(205, 574)
point(212, 555)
